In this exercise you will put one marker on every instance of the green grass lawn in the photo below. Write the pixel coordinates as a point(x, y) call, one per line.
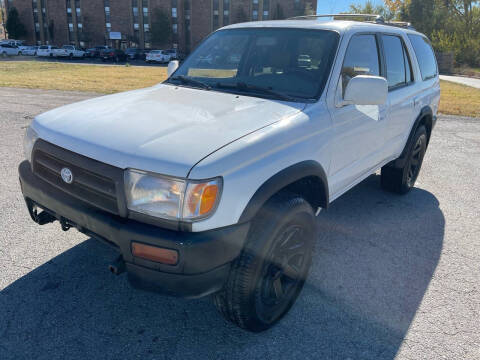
point(456, 99)
point(61, 76)
point(459, 100)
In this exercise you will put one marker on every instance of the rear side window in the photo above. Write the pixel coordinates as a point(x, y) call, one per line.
point(425, 56)
point(399, 71)
point(361, 58)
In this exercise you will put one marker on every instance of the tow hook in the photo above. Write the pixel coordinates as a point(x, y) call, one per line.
point(118, 266)
point(65, 224)
point(40, 218)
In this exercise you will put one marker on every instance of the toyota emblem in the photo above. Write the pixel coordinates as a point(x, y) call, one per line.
point(67, 175)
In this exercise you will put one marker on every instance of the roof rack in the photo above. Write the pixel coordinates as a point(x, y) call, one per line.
point(372, 18)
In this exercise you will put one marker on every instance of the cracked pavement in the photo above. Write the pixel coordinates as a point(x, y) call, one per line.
point(393, 277)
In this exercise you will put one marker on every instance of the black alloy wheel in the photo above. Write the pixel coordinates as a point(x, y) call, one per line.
point(282, 273)
point(416, 160)
point(267, 277)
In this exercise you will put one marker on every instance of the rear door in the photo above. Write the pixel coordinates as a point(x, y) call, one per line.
point(401, 91)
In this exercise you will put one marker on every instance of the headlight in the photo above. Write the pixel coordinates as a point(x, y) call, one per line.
point(28, 142)
point(171, 198)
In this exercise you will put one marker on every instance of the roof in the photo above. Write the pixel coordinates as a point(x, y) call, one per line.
point(340, 26)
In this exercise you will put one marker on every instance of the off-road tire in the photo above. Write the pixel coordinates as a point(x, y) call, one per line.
point(255, 274)
point(402, 180)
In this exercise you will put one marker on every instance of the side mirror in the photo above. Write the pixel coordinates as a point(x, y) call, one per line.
point(172, 67)
point(366, 90)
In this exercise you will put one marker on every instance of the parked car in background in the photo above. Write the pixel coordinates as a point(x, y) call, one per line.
point(135, 54)
point(13, 42)
point(161, 56)
point(28, 50)
point(89, 53)
point(9, 50)
point(115, 55)
point(96, 51)
point(69, 51)
point(46, 50)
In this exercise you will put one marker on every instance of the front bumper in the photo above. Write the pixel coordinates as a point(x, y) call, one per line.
point(204, 257)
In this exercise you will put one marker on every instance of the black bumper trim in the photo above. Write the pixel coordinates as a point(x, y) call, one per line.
point(201, 254)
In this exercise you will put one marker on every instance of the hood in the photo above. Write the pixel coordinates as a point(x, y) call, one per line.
point(164, 129)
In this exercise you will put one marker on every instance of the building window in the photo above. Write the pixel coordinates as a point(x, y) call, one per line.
point(106, 6)
point(215, 20)
point(175, 28)
point(174, 12)
point(266, 9)
point(254, 10)
point(187, 11)
point(226, 12)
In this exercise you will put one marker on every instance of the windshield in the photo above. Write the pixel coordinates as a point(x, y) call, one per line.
point(287, 61)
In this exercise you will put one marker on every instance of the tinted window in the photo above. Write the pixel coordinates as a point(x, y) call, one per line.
point(293, 62)
point(425, 56)
point(361, 58)
point(395, 60)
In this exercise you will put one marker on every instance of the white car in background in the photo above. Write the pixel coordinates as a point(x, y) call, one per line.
point(161, 56)
point(8, 50)
point(46, 51)
point(28, 50)
point(69, 51)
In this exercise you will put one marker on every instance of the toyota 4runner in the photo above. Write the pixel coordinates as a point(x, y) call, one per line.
point(209, 183)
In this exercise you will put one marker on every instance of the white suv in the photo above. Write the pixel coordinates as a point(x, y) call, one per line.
point(209, 183)
point(46, 50)
point(69, 51)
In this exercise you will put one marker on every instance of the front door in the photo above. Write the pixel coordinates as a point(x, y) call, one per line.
point(359, 130)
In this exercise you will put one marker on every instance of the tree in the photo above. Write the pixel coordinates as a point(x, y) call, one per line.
point(370, 8)
point(240, 15)
point(2, 15)
point(14, 27)
point(279, 13)
point(161, 28)
point(309, 10)
point(51, 30)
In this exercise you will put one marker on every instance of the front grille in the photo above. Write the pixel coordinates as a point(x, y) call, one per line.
point(91, 180)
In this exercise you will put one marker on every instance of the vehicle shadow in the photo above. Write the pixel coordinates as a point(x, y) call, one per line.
point(375, 257)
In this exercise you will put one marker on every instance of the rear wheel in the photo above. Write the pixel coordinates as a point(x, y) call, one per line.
point(266, 279)
point(402, 180)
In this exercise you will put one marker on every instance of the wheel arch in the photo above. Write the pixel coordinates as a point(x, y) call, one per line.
point(306, 178)
point(426, 119)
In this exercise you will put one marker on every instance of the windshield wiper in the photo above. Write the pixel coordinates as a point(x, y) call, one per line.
point(255, 88)
point(188, 80)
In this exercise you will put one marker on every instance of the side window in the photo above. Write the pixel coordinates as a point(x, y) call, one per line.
point(395, 61)
point(425, 56)
point(361, 58)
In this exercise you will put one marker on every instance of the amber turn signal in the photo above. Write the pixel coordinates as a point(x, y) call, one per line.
point(153, 253)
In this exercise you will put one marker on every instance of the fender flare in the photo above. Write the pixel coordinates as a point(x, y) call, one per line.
point(424, 113)
point(281, 180)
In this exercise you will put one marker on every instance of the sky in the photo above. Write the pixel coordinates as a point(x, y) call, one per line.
point(336, 6)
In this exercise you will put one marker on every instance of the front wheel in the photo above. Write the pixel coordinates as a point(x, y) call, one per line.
point(266, 279)
point(402, 180)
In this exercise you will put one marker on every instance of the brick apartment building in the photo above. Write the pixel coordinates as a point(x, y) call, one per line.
point(137, 23)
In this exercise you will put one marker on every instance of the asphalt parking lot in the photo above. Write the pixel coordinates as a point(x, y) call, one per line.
point(393, 277)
